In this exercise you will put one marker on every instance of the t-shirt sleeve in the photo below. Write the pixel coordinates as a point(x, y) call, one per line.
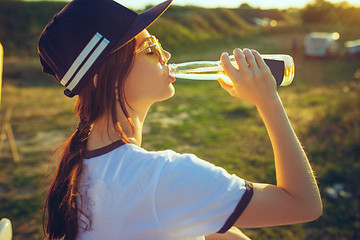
point(196, 198)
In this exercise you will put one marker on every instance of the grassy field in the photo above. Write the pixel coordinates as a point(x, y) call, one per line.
point(322, 103)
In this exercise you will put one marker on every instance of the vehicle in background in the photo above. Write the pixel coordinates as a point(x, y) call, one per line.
point(320, 44)
point(353, 49)
point(263, 22)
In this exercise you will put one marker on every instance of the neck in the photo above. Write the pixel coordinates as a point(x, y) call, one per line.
point(104, 133)
point(138, 119)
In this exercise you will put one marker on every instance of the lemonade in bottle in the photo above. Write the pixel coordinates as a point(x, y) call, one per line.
point(281, 66)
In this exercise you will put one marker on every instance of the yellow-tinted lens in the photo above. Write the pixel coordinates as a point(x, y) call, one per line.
point(160, 50)
point(156, 47)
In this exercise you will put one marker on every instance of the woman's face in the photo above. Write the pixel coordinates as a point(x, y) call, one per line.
point(149, 80)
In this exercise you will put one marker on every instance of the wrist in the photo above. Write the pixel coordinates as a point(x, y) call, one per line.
point(269, 103)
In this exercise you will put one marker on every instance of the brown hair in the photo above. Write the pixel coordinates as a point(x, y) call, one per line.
point(61, 206)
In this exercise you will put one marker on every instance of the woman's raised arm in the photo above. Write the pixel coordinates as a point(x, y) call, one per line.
point(296, 197)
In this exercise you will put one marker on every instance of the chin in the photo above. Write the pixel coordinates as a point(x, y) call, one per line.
point(172, 89)
point(169, 93)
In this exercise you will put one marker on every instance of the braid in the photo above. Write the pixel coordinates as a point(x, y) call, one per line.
point(82, 132)
point(64, 201)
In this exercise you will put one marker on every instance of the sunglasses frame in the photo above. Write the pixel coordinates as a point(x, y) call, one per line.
point(154, 43)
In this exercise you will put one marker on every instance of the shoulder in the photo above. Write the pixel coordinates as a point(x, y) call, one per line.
point(132, 158)
point(166, 156)
point(144, 155)
point(169, 164)
point(173, 163)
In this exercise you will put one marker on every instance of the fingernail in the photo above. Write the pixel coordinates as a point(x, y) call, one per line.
point(238, 50)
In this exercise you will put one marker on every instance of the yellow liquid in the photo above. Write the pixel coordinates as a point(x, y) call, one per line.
point(288, 76)
point(220, 75)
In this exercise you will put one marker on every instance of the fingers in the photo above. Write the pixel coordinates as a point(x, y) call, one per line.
point(224, 85)
point(242, 68)
point(259, 60)
point(250, 59)
point(227, 65)
point(251, 77)
point(249, 62)
point(240, 59)
point(245, 59)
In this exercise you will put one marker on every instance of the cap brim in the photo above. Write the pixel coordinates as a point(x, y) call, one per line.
point(143, 20)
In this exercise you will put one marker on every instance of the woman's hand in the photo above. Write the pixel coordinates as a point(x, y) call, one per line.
point(252, 78)
point(232, 234)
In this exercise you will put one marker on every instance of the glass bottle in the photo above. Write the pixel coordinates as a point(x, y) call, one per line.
point(281, 66)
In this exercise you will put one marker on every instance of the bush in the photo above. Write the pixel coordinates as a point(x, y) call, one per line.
point(334, 138)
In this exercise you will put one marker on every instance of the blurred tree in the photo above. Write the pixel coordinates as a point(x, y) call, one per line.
point(318, 11)
point(322, 11)
point(245, 6)
point(22, 22)
point(148, 7)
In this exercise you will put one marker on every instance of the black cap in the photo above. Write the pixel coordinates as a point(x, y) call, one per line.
point(76, 42)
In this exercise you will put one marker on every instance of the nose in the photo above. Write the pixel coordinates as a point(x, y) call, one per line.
point(167, 55)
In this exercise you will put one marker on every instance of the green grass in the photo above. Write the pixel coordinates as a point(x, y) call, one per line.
point(322, 103)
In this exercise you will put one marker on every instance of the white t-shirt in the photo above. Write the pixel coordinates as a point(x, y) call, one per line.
point(134, 194)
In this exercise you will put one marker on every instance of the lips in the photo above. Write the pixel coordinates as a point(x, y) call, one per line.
point(171, 76)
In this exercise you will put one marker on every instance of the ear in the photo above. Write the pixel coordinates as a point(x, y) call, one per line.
point(95, 80)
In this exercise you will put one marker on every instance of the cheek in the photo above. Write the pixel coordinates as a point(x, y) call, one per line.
point(146, 83)
point(138, 81)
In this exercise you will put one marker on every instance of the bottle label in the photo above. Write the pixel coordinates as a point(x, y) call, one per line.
point(277, 68)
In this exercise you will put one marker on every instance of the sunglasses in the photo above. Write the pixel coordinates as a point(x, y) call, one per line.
point(155, 46)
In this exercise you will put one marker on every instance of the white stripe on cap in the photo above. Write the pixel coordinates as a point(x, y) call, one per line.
point(88, 63)
point(80, 60)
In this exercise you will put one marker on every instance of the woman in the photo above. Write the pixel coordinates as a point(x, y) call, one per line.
point(108, 187)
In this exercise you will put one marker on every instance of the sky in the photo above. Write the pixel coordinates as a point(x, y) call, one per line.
point(264, 4)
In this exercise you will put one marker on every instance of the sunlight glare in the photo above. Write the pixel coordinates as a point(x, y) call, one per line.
point(336, 36)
